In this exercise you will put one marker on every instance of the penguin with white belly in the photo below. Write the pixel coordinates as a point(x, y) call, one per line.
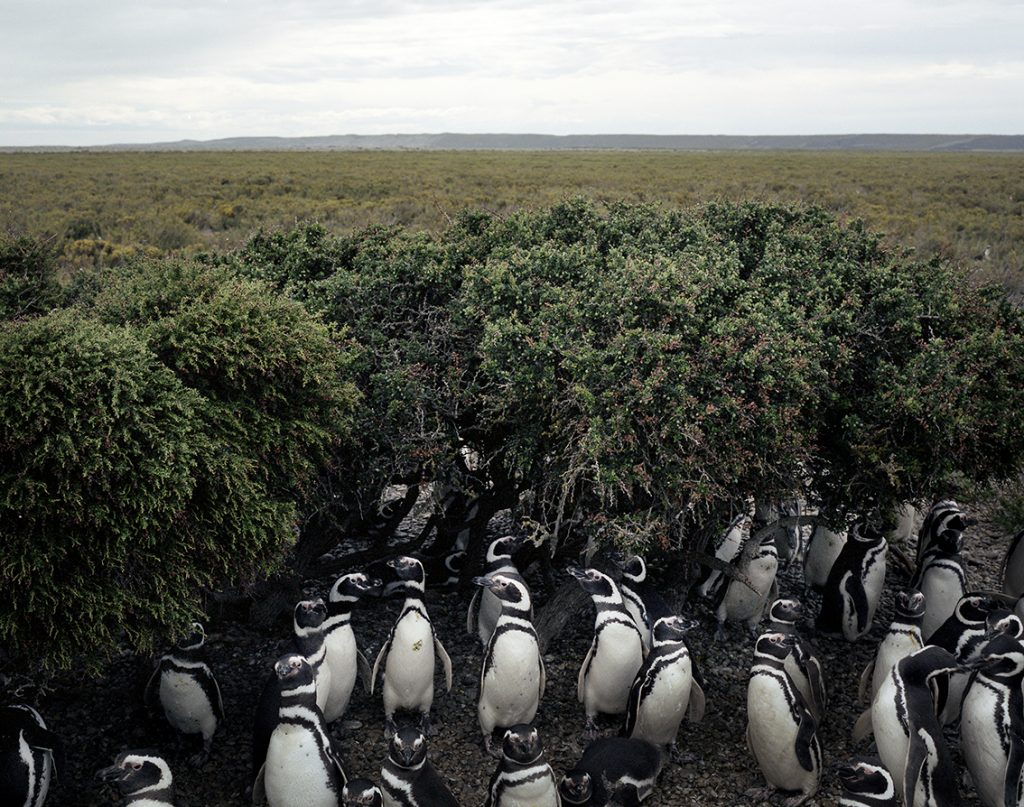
point(744, 599)
point(854, 585)
point(802, 663)
point(512, 675)
point(615, 654)
point(188, 691)
point(143, 778)
point(407, 656)
point(782, 734)
point(342, 655)
point(823, 547)
point(485, 608)
point(30, 756)
point(523, 778)
point(942, 579)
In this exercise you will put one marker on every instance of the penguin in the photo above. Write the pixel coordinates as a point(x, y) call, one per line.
point(512, 676)
point(992, 723)
point(523, 778)
point(30, 756)
point(727, 550)
point(301, 767)
point(1011, 575)
point(908, 733)
point(613, 770)
point(802, 663)
point(484, 603)
point(854, 586)
point(361, 793)
point(866, 783)
point(823, 548)
point(788, 539)
point(943, 515)
point(407, 656)
point(664, 689)
point(941, 577)
point(643, 602)
point(744, 599)
point(143, 778)
point(188, 691)
point(615, 654)
point(407, 778)
point(782, 734)
point(342, 656)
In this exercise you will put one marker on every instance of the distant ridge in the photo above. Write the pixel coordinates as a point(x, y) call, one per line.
point(541, 142)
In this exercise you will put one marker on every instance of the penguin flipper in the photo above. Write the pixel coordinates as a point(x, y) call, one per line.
point(543, 677)
point(218, 701)
point(259, 790)
point(865, 679)
point(917, 756)
point(1013, 783)
point(863, 727)
point(150, 693)
point(815, 680)
point(805, 735)
point(697, 703)
point(583, 671)
point(633, 703)
point(446, 662)
point(364, 672)
point(470, 627)
point(45, 740)
point(381, 654)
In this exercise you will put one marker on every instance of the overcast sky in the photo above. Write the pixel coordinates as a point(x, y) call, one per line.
point(85, 72)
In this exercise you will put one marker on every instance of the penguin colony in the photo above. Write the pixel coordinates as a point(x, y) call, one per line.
point(948, 671)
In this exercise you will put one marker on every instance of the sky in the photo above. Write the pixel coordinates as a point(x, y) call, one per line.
point(90, 72)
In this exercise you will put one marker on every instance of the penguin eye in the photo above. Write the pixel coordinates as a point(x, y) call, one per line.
point(136, 766)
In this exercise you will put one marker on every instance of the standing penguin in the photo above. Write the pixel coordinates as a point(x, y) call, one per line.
point(407, 778)
point(188, 692)
point(613, 770)
point(143, 777)
point(664, 689)
point(781, 732)
point(512, 674)
point(942, 579)
point(361, 793)
point(615, 654)
point(408, 653)
point(908, 733)
point(802, 663)
point(523, 778)
point(992, 723)
point(484, 604)
point(1011, 574)
point(823, 548)
point(301, 767)
point(854, 585)
point(866, 783)
point(727, 549)
point(30, 754)
point(643, 602)
point(342, 656)
point(744, 600)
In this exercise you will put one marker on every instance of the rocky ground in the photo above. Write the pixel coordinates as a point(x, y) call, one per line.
point(98, 718)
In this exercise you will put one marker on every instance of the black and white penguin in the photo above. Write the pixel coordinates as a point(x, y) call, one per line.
point(613, 770)
point(642, 600)
point(361, 793)
point(407, 656)
point(485, 607)
point(1011, 575)
point(615, 654)
point(992, 723)
point(301, 767)
point(908, 732)
point(744, 600)
point(188, 691)
point(342, 655)
point(512, 675)
point(407, 777)
point(523, 778)
point(782, 734)
point(866, 783)
point(726, 550)
point(823, 548)
point(30, 756)
point(802, 663)
point(942, 578)
point(854, 585)
point(664, 689)
point(944, 515)
point(143, 778)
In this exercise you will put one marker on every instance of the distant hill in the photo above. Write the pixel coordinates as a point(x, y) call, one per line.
point(541, 142)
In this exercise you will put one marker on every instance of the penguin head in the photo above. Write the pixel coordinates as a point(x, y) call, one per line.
point(785, 611)
point(865, 777)
point(408, 747)
point(309, 616)
point(353, 586)
point(1003, 621)
point(1002, 656)
point(361, 793)
point(593, 582)
point(133, 771)
point(522, 744)
point(672, 629)
point(926, 664)
point(576, 787)
point(633, 567)
point(293, 671)
point(910, 604)
point(949, 541)
point(975, 608)
point(408, 569)
point(194, 639)
point(503, 547)
point(504, 588)
point(773, 646)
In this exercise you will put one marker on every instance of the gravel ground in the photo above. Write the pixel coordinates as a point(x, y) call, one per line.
point(98, 718)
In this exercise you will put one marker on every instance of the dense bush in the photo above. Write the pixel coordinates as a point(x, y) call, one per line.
point(28, 277)
point(154, 440)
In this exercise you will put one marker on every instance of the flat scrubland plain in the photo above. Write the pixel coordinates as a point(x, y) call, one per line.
point(103, 208)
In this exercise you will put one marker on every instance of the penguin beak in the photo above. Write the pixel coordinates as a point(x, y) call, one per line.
point(486, 582)
point(113, 773)
point(577, 572)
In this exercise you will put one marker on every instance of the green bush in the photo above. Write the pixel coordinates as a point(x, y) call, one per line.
point(28, 277)
point(154, 442)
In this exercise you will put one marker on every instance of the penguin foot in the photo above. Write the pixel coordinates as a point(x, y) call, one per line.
point(796, 801)
point(719, 633)
point(198, 760)
point(426, 726)
point(759, 793)
point(390, 728)
point(590, 730)
point(681, 757)
point(490, 749)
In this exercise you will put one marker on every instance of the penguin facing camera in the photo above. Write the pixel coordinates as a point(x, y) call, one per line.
point(143, 778)
point(744, 599)
point(407, 777)
point(31, 756)
point(523, 777)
